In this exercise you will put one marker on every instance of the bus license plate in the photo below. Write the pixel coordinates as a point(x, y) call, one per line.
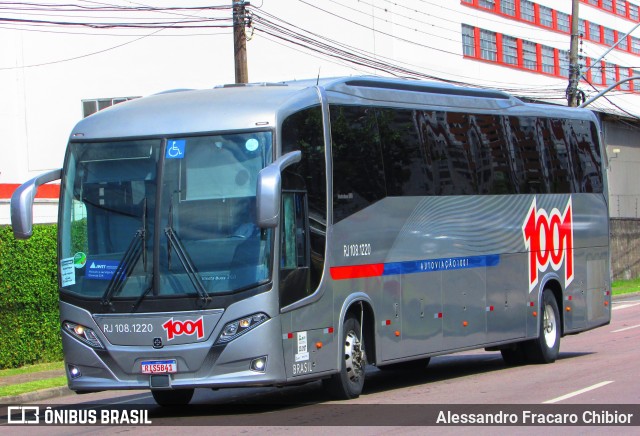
point(159, 366)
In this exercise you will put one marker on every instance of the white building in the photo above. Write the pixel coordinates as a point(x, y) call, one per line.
point(59, 61)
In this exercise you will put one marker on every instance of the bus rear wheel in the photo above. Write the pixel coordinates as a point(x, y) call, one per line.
point(349, 381)
point(172, 397)
point(546, 348)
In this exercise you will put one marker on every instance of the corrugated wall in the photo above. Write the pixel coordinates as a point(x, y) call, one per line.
point(625, 248)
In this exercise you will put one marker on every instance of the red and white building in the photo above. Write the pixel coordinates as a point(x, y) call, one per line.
point(51, 75)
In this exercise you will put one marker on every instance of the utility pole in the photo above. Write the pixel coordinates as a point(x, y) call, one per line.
point(574, 66)
point(240, 41)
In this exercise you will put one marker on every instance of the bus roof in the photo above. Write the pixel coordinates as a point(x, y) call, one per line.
point(263, 105)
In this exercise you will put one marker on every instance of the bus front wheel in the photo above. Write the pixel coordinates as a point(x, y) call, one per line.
point(349, 381)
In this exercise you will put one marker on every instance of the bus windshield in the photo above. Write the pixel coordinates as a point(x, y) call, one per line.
point(162, 218)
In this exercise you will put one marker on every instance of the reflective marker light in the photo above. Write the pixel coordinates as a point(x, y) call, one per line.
point(74, 371)
point(83, 334)
point(240, 326)
point(259, 364)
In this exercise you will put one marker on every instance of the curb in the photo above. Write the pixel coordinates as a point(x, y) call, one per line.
point(35, 396)
point(630, 294)
point(44, 394)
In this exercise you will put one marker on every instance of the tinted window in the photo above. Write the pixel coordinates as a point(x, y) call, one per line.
point(358, 171)
point(405, 167)
point(399, 152)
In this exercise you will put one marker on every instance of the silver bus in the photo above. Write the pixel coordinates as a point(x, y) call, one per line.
point(273, 234)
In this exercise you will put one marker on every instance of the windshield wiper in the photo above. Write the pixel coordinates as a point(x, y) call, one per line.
point(174, 241)
point(125, 266)
point(137, 247)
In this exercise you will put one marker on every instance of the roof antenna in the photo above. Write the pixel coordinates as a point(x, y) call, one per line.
point(318, 79)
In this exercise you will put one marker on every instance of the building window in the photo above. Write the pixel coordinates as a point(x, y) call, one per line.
point(487, 4)
point(624, 44)
point(508, 7)
point(527, 11)
point(621, 7)
point(509, 50)
point(581, 27)
point(594, 32)
point(633, 12)
point(90, 107)
point(635, 45)
point(636, 83)
point(563, 22)
point(593, 2)
point(546, 16)
point(624, 74)
point(529, 55)
point(488, 49)
point(596, 74)
point(563, 57)
point(607, 5)
point(468, 41)
point(548, 61)
point(610, 73)
point(609, 36)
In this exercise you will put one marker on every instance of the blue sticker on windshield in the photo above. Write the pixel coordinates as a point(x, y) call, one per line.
point(175, 149)
point(101, 269)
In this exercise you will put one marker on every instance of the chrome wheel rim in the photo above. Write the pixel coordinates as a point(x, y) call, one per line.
point(549, 326)
point(354, 357)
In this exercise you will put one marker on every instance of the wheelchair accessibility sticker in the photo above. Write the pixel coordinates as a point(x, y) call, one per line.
point(175, 149)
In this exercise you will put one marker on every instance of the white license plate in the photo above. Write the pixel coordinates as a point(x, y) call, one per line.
point(159, 366)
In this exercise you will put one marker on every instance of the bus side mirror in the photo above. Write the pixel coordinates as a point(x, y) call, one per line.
point(268, 195)
point(22, 203)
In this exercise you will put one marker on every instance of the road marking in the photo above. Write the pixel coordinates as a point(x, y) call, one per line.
point(626, 328)
point(128, 401)
point(581, 391)
point(624, 306)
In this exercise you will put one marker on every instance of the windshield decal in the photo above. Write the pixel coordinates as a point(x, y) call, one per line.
point(67, 272)
point(79, 260)
point(101, 269)
point(175, 149)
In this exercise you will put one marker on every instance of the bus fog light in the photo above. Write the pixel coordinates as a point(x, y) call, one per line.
point(259, 364)
point(74, 371)
point(240, 326)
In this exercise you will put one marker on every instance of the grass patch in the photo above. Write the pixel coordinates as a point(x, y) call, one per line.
point(620, 287)
point(31, 368)
point(22, 388)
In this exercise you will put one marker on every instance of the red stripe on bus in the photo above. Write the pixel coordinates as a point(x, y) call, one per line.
point(45, 191)
point(356, 271)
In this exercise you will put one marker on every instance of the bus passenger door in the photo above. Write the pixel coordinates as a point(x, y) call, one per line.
point(294, 249)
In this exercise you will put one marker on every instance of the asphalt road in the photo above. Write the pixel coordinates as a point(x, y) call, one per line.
point(595, 368)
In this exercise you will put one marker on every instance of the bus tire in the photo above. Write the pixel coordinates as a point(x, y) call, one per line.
point(349, 381)
point(172, 397)
point(546, 348)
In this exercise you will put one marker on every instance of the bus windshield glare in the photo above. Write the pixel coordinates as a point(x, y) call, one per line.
point(181, 209)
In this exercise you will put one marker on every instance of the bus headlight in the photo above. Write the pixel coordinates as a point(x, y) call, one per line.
point(240, 326)
point(83, 334)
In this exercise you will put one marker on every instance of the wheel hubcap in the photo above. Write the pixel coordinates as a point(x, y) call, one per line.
point(354, 357)
point(549, 326)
